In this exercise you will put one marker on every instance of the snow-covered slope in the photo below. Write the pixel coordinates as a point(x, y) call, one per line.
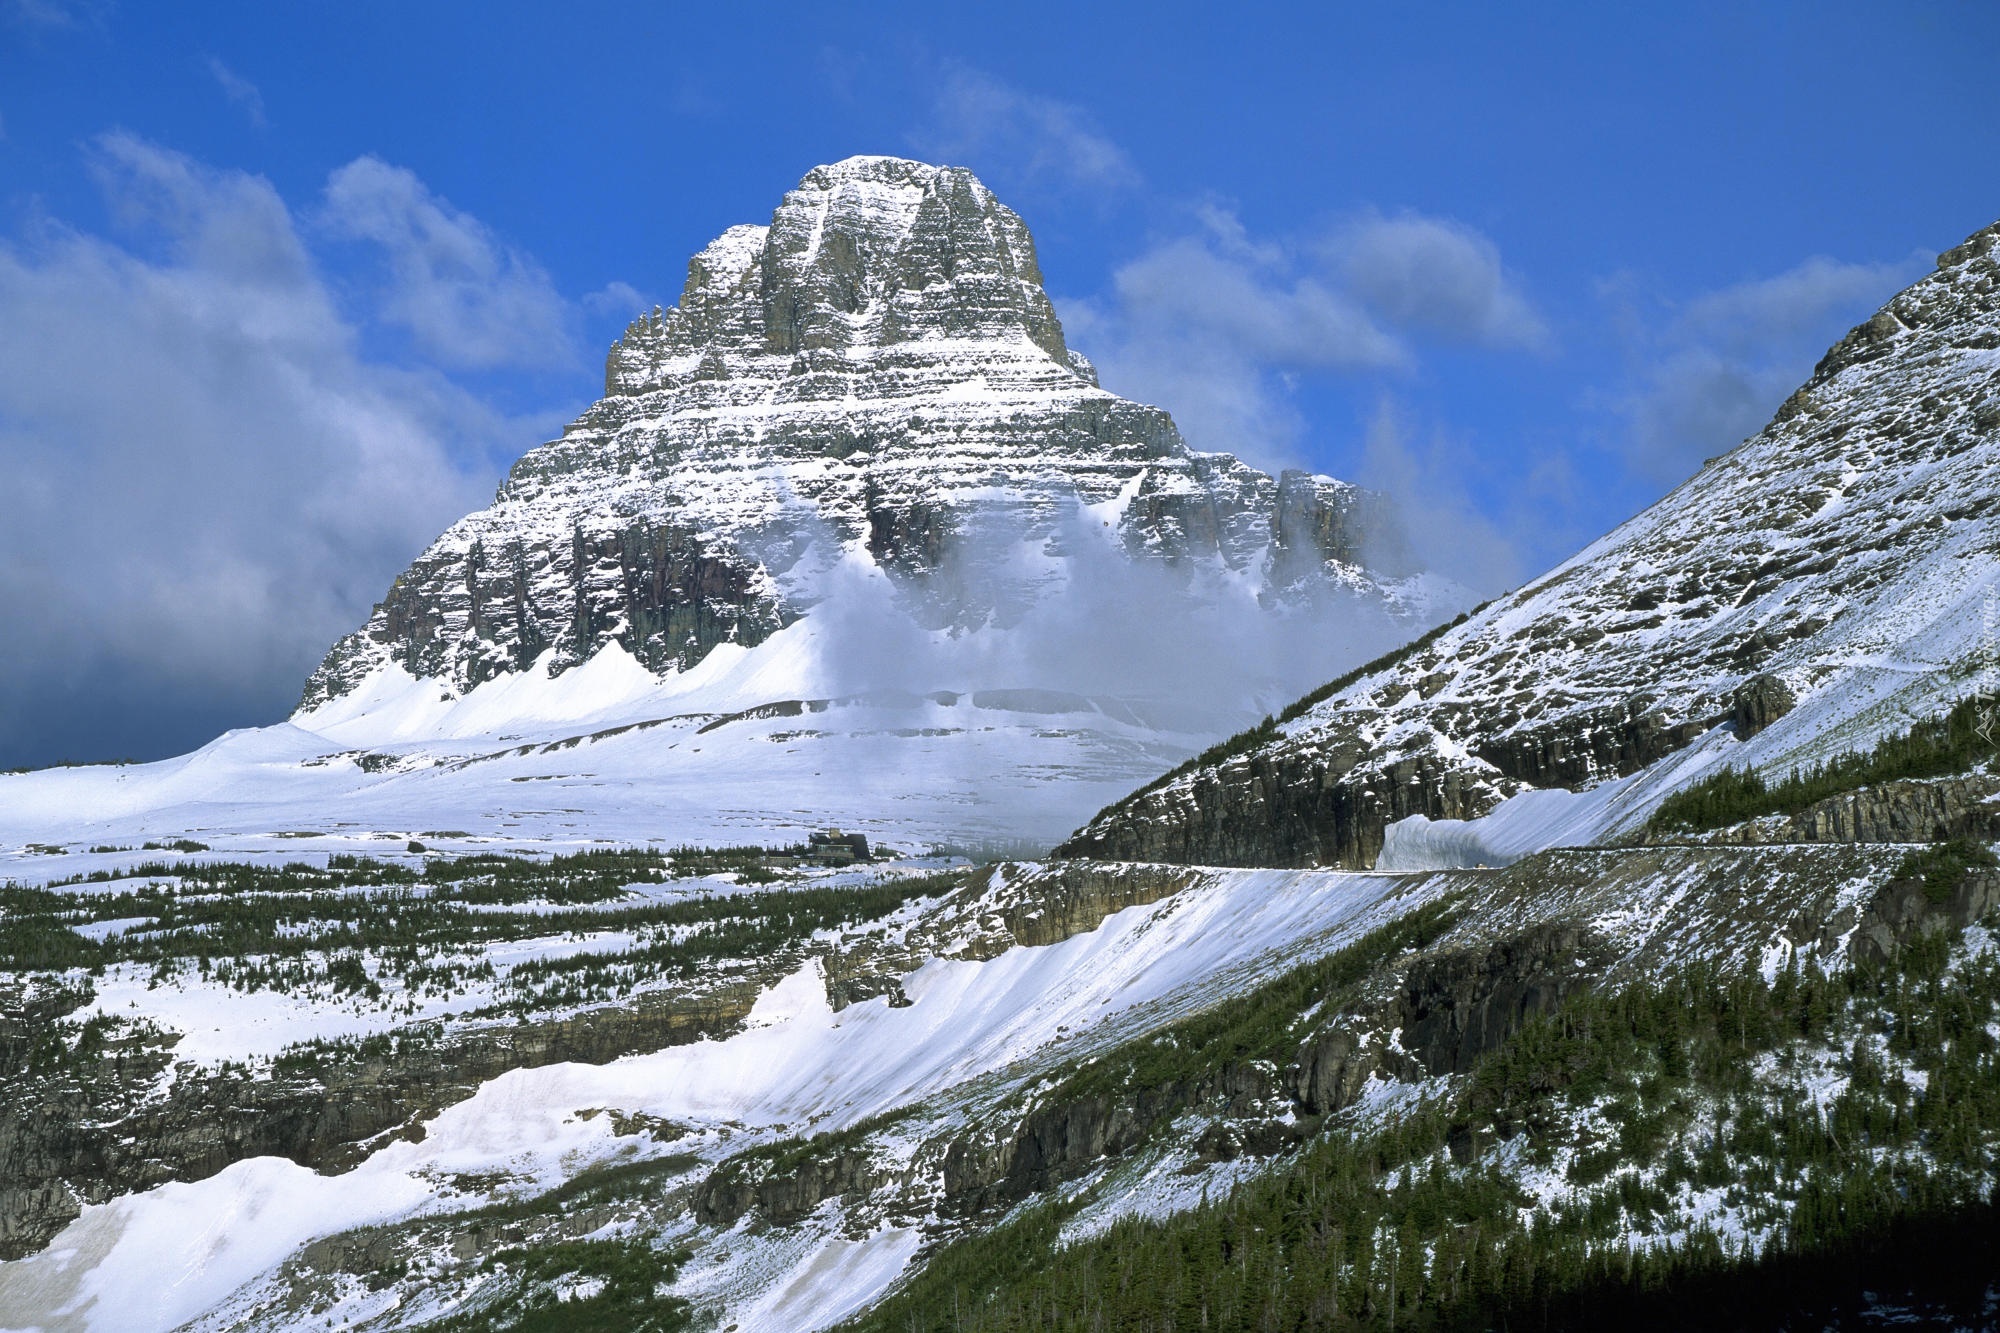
point(154, 1260)
point(1820, 585)
point(902, 1096)
point(609, 753)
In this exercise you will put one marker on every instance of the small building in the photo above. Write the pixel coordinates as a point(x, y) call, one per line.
point(831, 847)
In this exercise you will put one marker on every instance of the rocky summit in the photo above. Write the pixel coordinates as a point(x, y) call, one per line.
point(876, 372)
point(1803, 595)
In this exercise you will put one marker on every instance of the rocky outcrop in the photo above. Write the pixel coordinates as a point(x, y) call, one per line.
point(1760, 594)
point(1062, 1140)
point(100, 1130)
point(1047, 905)
point(876, 373)
point(1456, 1007)
point(1451, 1007)
point(1284, 807)
point(1334, 1068)
point(1913, 810)
point(784, 1189)
point(1906, 909)
point(1760, 701)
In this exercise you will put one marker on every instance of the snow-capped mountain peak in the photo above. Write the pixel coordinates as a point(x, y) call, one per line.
point(877, 374)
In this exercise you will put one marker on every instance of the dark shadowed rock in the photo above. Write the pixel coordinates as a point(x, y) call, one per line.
point(1760, 701)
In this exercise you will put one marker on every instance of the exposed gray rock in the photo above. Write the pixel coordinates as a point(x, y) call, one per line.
point(104, 1130)
point(784, 1191)
point(1910, 810)
point(1902, 911)
point(1760, 701)
point(1333, 1069)
point(1456, 1007)
point(1450, 1007)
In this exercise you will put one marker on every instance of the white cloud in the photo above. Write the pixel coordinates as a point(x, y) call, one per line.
point(1219, 326)
point(469, 300)
point(238, 90)
point(616, 298)
point(1209, 326)
point(1436, 276)
point(1020, 137)
point(53, 13)
point(1446, 529)
point(1258, 309)
point(1713, 371)
point(1796, 305)
point(210, 483)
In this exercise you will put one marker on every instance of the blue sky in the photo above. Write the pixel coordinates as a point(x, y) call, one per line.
point(284, 288)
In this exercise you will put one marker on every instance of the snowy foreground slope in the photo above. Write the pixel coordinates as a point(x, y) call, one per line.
point(971, 1030)
point(747, 748)
point(975, 1047)
point(1832, 578)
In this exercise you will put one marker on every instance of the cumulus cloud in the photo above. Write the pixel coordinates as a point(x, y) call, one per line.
point(238, 90)
point(1448, 531)
point(1219, 326)
point(470, 301)
point(1710, 372)
point(616, 298)
point(1438, 277)
point(210, 482)
point(1190, 648)
point(48, 14)
point(1020, 137)
point(1209, 326)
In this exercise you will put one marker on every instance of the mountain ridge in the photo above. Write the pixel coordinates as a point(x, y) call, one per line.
point(1831, 564)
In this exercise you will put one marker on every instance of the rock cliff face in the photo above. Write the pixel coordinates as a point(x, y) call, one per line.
point(129, 1120)
point(1809, 591)
point(1903, 811)
point(877, 372)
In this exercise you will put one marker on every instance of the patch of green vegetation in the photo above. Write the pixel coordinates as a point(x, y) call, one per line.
point(357, 923)
point(71, 763)
point(41, 1038)
point(1936, 747)
point(40, 942)
point(1942, 866)
point(607, 1286)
